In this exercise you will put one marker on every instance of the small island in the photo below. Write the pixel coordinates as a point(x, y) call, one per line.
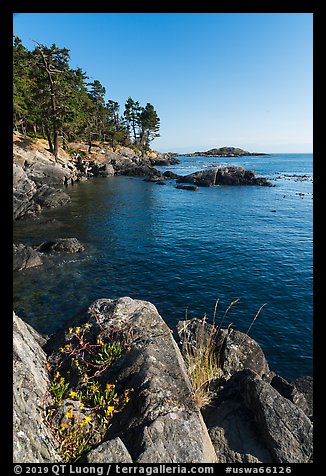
point(223, 152)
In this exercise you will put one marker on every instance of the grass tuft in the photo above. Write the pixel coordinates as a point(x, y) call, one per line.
point(201, 345)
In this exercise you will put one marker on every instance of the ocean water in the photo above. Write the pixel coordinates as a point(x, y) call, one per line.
point(183, 250)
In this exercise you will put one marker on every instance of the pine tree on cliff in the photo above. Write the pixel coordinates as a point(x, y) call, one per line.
point(53, 64)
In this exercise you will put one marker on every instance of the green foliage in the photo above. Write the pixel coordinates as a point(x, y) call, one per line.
point(53, 100)
point(76, 377)
point(58, 388)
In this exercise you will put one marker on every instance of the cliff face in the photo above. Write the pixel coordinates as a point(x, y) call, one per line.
point(254, 416)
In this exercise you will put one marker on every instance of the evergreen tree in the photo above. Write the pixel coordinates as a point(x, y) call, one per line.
point(53, 65)
point(132, 114)
point(150, 125)
point(55, 101)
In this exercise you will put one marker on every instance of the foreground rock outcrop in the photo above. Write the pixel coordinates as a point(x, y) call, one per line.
point(229, 175)
point(32, 440)
point(254, 416)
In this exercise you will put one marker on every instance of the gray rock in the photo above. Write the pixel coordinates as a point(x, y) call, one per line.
point(49, 197)
point(239, 351)
point(305, 386)
point(233, 432)
point(25, 257)
point(229, 175)
point(32, 439)
point(139, 170)
point(61, 245)
point(291, 392)
point(171, 175)
point(45, 172)
point(285, 429)
point(187, 187)
point(161, 423)
point(155, 178)
point(111, 451)
point(24, 190)
point(107, 170)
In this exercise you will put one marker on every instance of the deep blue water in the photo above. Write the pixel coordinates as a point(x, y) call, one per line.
point(183, 250)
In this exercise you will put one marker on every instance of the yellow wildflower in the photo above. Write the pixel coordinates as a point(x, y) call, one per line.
point(62, 380)
point(70, 330)
point(72, 394)
point(57, 375)
point(110, 386)
point(81, 405)
point(109, 410)
point(87, 419)
point(77, 330)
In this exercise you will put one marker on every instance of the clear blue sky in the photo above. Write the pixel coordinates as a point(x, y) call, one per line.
point(215, 79)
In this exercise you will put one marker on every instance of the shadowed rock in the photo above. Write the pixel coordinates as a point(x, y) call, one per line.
point(286, 430)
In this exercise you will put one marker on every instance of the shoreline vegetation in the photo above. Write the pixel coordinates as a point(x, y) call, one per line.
point(116, 386)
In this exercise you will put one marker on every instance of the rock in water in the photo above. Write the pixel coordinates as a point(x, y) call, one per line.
point(25, 257)
point(230, 175)
point(61, 245)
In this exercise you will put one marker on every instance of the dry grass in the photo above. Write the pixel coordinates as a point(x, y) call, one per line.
point(201, 346)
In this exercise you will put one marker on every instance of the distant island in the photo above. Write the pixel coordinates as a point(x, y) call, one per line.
point(223, 152)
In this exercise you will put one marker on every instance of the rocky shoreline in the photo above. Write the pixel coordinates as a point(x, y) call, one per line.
point(255, 416)
point(39, 180)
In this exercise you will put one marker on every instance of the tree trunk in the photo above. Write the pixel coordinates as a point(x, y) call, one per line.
point(55, 144)
point(48, 135)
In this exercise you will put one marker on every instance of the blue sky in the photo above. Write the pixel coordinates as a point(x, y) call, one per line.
point(215, 79)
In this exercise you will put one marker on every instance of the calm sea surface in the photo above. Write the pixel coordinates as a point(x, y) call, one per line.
point(182, 250)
